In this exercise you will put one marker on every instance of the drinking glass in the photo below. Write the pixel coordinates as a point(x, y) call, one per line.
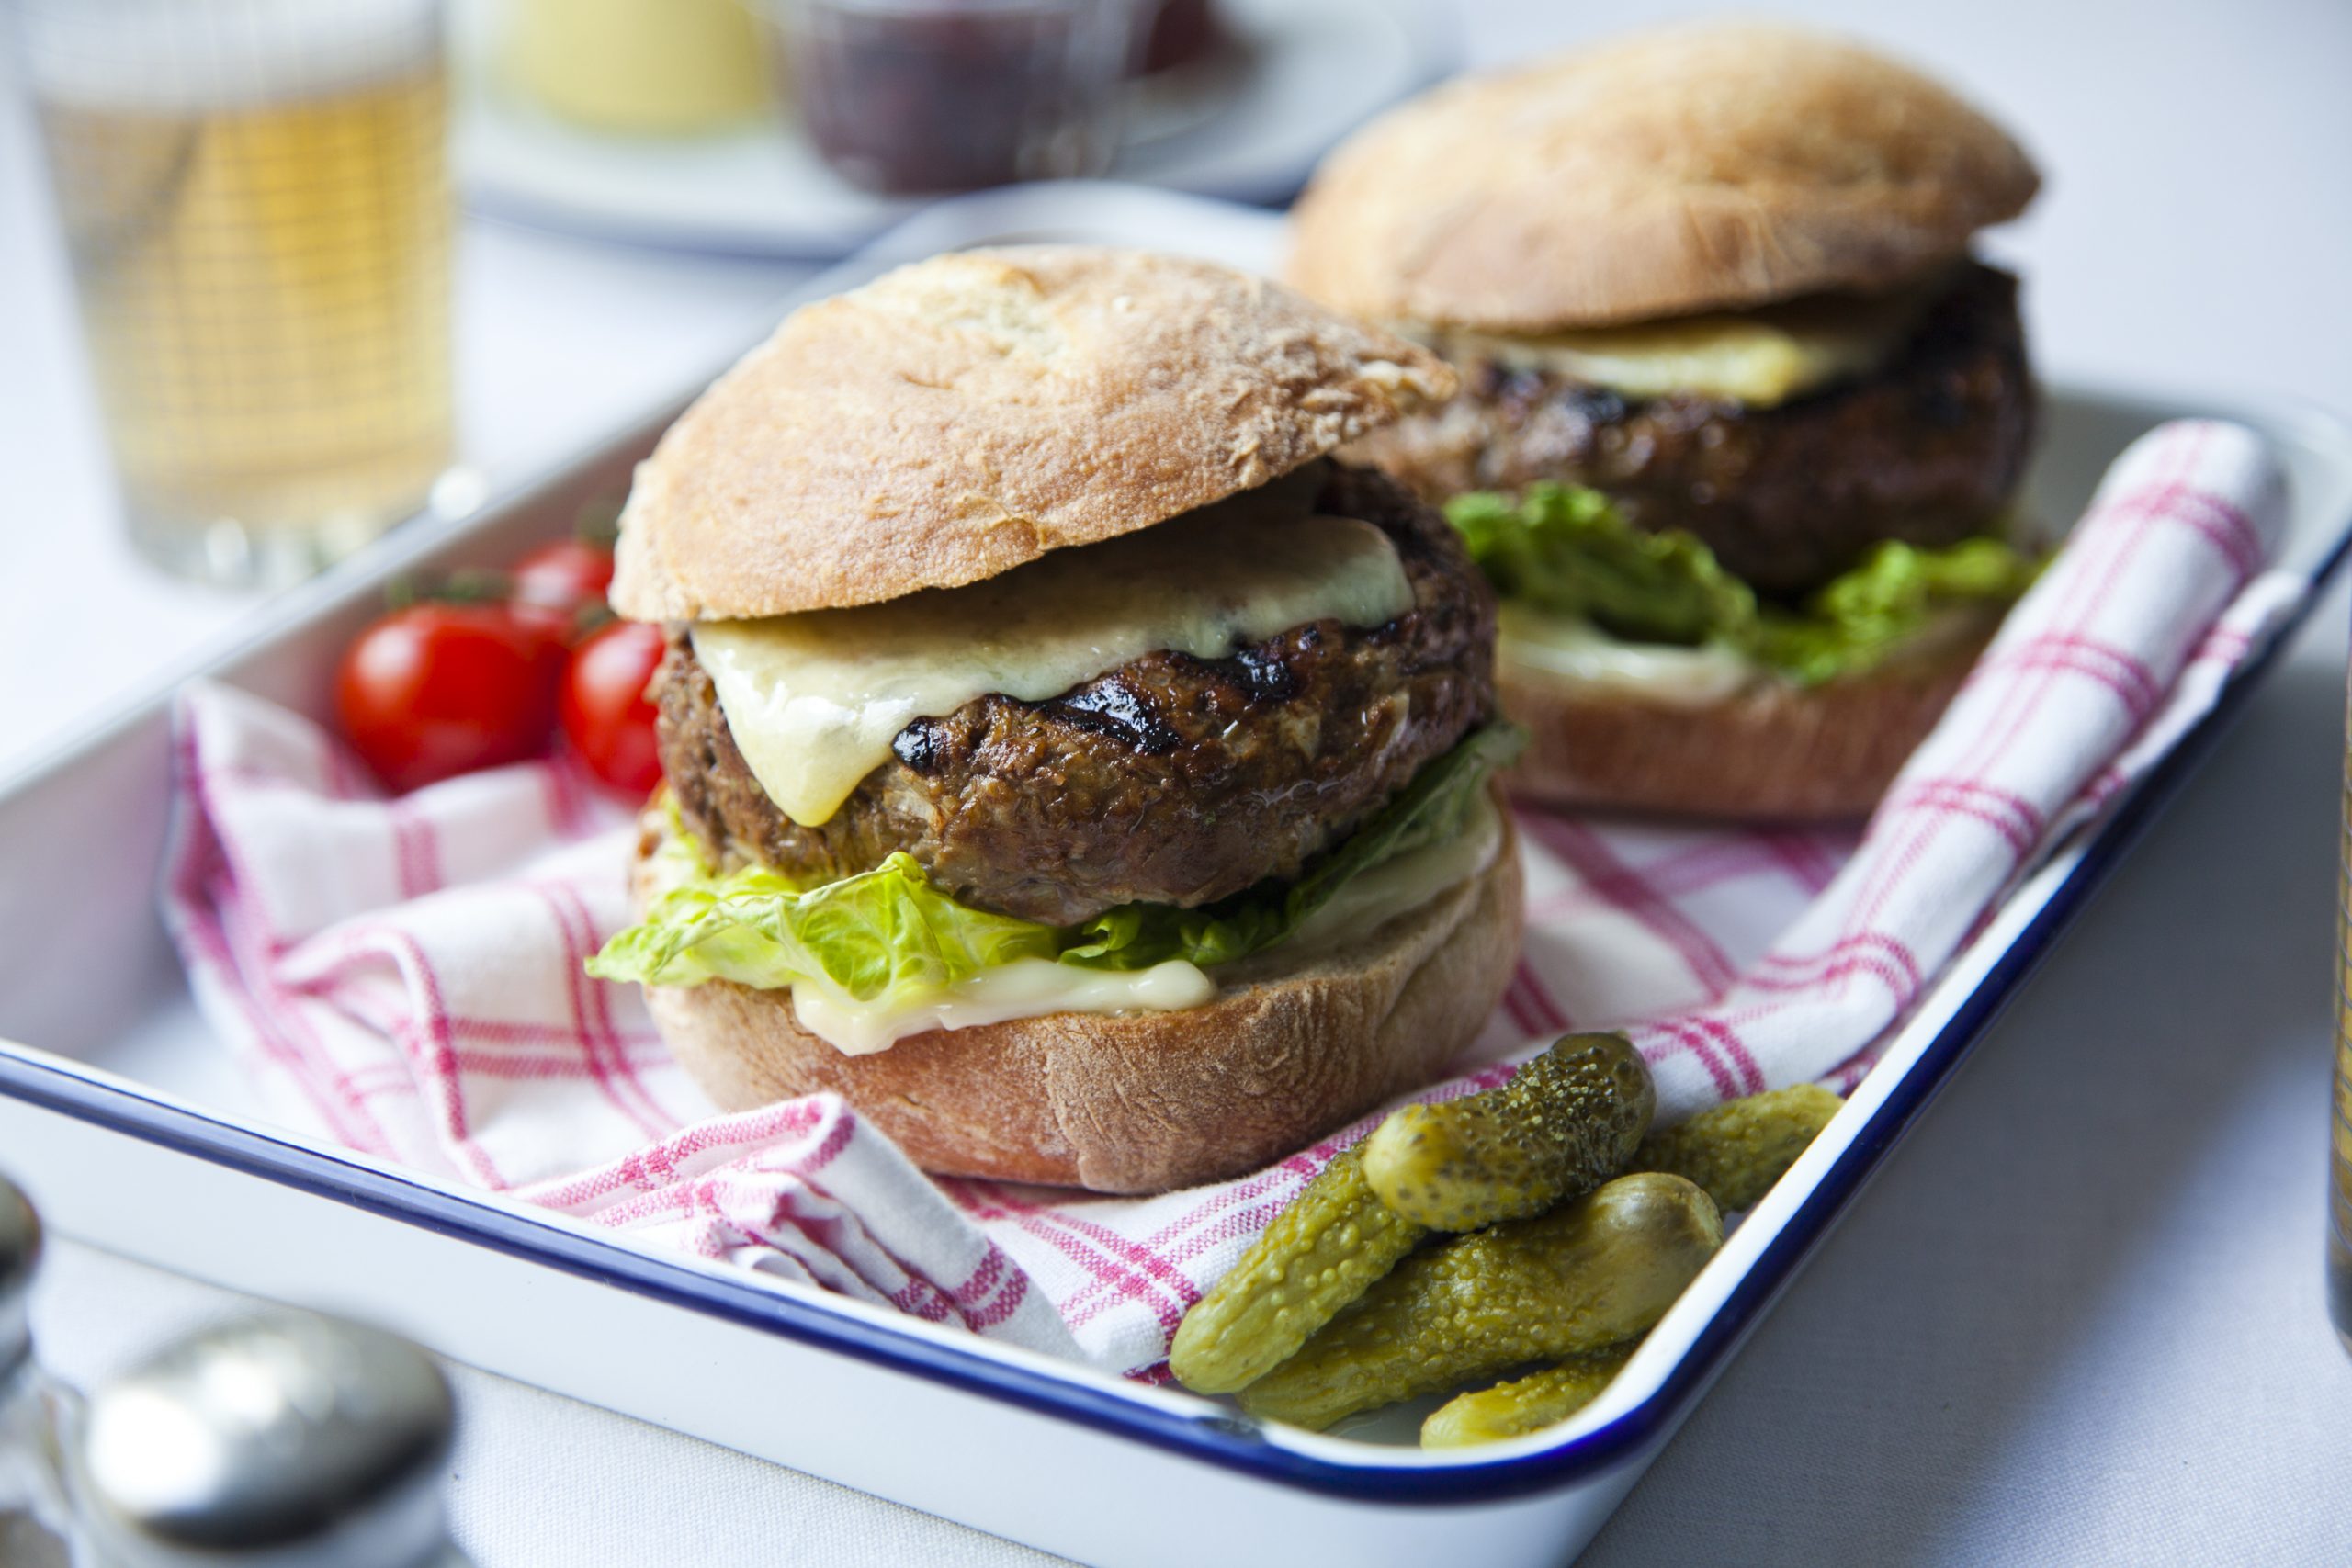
point(2339, 1177)
point(255, 201)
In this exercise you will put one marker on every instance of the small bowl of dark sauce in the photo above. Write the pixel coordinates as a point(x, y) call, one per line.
point(914, 97)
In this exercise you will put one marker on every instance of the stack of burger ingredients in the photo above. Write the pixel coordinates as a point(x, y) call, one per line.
point(1742, 419)
point(1067, 761)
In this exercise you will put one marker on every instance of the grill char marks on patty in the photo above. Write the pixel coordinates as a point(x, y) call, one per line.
point(1169, 779)
point(1928, 449)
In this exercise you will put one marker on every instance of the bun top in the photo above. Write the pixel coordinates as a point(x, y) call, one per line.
point(960, 416)
point(1707, 167)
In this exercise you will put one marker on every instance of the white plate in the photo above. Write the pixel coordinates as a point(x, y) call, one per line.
point(132, 1131)
point(1307, 72)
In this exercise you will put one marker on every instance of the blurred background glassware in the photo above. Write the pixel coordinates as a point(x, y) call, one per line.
point(288, 1439)
point(1171, 34)
point(256, 203)
point(914, 97)
point(2339, 1122)
point(33, 1513)
point(638, 67)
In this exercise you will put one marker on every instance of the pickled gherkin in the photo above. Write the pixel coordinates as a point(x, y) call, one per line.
point(1582, 1277)
point(1565, 1123)
point(1320, 1253)
point(1738, 1150)
point(1527, 1404)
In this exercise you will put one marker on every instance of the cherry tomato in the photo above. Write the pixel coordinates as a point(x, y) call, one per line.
point(439, 689)
point(607, 714)
point(565, 576)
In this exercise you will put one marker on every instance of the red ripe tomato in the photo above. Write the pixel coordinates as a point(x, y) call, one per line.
point(607, 714)
point(435, 690)
point(564, 576)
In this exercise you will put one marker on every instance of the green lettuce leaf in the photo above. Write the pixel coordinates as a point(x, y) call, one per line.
point(887, 934)
point(883, 934)
point(1564, 550)
point(1854, 621)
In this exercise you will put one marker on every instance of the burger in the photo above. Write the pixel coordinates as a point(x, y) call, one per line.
point(1068, 761)
point(1742, 422)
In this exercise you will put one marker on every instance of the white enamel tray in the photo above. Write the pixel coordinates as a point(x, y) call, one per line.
point(133, 1131)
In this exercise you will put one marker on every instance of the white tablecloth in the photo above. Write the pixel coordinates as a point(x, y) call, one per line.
point(2079, 1319)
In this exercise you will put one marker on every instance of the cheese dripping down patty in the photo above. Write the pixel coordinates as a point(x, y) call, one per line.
point(1762, 358)
point(814, 700)
point(1570, 650)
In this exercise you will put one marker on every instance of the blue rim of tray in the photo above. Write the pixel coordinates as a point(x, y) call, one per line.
point(1221, 1440)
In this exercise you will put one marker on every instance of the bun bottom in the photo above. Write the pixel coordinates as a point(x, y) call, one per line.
point(1141, 1102)
point(1774, 752)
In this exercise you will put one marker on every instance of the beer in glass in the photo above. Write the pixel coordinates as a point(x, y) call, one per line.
point(255, 199)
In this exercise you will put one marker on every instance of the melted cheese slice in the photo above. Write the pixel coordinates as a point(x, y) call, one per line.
point(1026, 988)
point(1572, 650)
point(1372, 898)
point(815, 699)
point(1762, 357)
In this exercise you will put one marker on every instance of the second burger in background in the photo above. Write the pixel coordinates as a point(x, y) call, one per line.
point(1742, 421)
point(1067, 762)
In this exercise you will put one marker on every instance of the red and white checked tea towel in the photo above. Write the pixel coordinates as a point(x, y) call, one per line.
point(405, 975)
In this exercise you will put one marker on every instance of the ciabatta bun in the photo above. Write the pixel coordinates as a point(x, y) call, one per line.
point(1706, 167)
point(958, 417)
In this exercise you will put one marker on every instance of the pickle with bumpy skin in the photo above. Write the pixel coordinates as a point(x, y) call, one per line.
point(1565, 1123)
point(1333, 1241)
point(1526, 1405)
point(1586, 1275)
point(1738, 1150)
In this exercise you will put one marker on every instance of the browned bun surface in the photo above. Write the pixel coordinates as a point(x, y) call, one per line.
point(1773, 752)
point(960, 416)
point(1710, 166)
point(1286, 1051)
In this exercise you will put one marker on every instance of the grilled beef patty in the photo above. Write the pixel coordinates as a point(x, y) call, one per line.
point(1169, 780)
point(1926, 449)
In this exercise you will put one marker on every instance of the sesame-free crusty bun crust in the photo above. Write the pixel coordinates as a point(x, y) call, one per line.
point(1774, 752)
point(965, 414)
point(1705, 167)
point(1141, 1102)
